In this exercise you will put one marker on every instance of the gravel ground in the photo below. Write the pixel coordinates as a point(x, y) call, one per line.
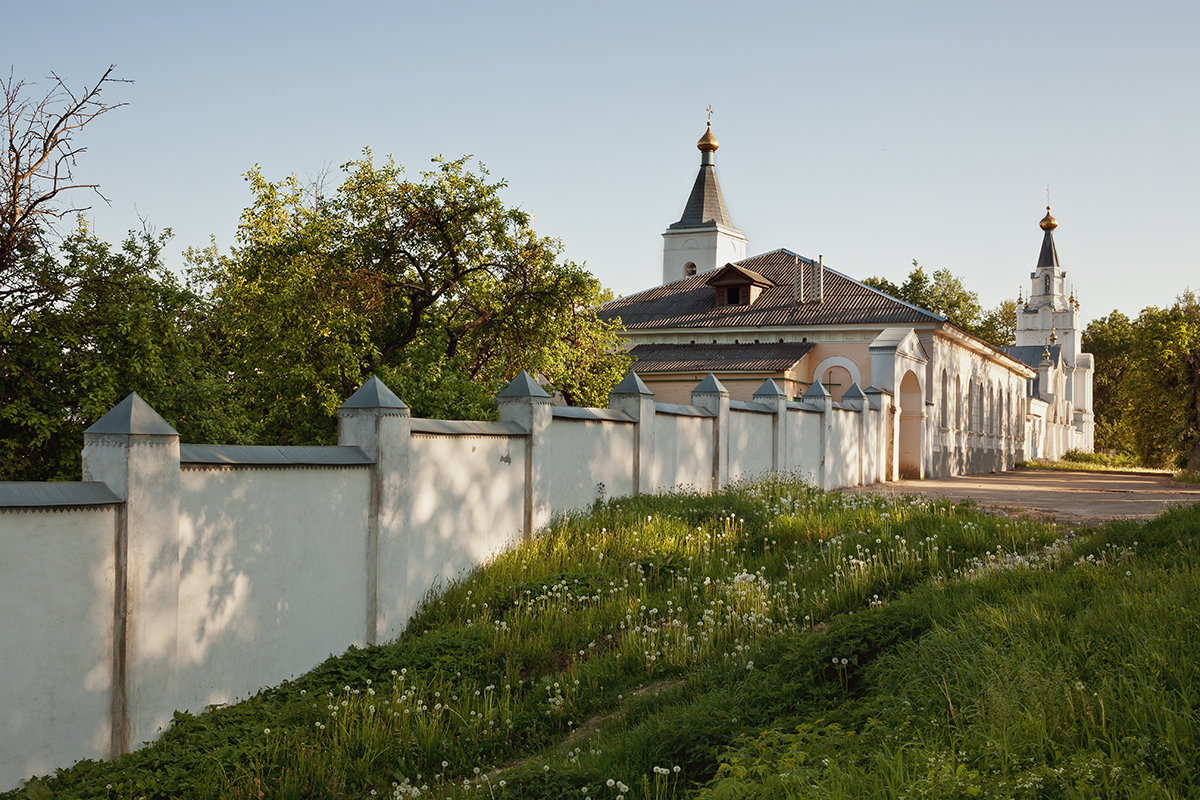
point(1077, 498)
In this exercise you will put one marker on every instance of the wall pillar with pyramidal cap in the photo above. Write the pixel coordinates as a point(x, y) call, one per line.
point(528, 405)
point(135, 452)
point(377, 421)
point(854, 398)
point(771, 396)
point(634, 397)
point(878, 404)
point(817, 398)
point(712, 396)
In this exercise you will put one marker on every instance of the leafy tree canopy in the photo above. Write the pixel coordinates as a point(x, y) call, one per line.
point(433, 284)
point(944, 293)
point(117, 321)
point(1147, 383)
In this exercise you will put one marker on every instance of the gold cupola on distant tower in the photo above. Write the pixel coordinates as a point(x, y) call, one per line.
point(708, 143)
point(1048, 222)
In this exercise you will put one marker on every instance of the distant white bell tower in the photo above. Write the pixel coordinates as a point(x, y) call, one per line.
point(1049, 319)
point(1050, 311)
point(703, 239)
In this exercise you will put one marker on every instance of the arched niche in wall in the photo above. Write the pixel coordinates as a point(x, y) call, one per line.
point(912, 419)
point(837, 373)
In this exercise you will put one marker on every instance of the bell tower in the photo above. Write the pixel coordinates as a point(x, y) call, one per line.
point(1050, 319)
point(704, 238)
point(1050, 311)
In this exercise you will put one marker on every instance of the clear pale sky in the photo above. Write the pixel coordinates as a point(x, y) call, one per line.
point(870, 133)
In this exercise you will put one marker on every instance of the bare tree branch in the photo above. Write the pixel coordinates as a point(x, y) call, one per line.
point(40, 158)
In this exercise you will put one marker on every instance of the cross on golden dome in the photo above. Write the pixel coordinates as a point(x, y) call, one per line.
point(708, 143)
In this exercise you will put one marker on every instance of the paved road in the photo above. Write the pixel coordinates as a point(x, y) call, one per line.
point(1071, 497)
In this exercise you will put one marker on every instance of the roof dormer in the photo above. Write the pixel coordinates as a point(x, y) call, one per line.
point(737, 286)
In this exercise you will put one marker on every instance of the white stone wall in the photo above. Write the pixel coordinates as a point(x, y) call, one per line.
point(57, 570)
point(805, 450)
point(591, 462)
point(239, 573)
point(683, 452)
point(272, 575)
point(467, 504)
point(750, 439)
point(846, 429)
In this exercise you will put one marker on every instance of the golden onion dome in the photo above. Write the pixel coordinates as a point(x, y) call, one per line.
point(708, 143)
point(1048, 222)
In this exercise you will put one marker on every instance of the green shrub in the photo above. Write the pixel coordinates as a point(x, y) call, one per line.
point(1114, 460)
point(1186, 476)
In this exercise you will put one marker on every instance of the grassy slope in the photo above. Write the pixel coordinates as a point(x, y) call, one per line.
point(769, 641)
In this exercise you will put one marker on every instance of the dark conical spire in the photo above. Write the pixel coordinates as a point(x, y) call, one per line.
point(1049, 255)
point(706, 203)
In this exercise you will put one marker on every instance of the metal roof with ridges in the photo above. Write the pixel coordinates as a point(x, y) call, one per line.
point(706, 204)
point(1031, 354)
point(1048, 257)
point(688, 303)
point(650, 359)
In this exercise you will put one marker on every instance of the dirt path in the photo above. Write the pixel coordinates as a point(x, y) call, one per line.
point(1076, 497)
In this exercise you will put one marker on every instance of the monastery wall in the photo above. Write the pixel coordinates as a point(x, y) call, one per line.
point(57, 572)
point(179, 576)
point(264, 552)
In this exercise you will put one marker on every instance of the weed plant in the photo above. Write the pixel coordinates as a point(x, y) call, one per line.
point(1092, 462)
point(769, 640)
point(1186, 476)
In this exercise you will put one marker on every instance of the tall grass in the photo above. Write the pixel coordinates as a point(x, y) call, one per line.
point(633, 651)
point(1081, 682)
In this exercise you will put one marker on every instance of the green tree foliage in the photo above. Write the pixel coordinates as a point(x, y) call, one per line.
point(1110, 340)
point(433, 284)
point(999, 325)
point(1145, 387)
point(99, 323)
point(944, 293)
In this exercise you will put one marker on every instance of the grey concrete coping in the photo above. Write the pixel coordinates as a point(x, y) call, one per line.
point(677, 410)
point(523, 386)
point(373, 394)
point(757, 408)
point(632, 384)
point(770, 388)
point(710, 385)
point(590, 414)
point(133, 415)
point(56, 493)
point(800, 405)
point(271, 456)
point(465, 427)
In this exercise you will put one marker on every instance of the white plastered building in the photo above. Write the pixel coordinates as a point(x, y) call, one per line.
point(962, 405)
